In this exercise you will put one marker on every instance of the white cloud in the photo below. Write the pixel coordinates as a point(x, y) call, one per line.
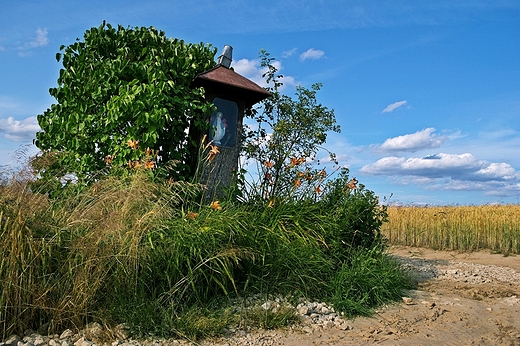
point(41, 39)
point(340, 158)
point(19, 130)
point(289, 53)
point(313, 54)
point(424, 139)
point(252, 70)
point(394, 106)
point(497, 171)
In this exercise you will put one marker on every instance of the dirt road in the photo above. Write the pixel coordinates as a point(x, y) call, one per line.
point(462, 299)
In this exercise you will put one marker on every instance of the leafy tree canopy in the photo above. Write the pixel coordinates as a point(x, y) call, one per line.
point(124, 94)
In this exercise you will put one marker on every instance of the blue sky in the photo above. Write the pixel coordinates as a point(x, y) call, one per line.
point(427, 93)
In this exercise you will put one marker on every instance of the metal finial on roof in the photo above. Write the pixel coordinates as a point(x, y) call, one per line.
point(225, 57)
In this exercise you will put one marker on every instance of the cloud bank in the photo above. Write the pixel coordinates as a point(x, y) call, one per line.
point(449, 172)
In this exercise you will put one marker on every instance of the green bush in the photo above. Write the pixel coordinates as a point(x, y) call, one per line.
point(357, 214)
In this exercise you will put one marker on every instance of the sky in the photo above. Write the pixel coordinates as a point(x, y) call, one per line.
point(427, 93)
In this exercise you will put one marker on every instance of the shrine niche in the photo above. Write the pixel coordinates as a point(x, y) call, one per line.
point(223, 123)
point(231, 94)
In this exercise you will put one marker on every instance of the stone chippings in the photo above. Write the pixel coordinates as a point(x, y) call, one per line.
point(313, 316)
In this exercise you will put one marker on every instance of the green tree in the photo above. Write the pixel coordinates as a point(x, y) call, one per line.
point(289, 135)
point(124, 94)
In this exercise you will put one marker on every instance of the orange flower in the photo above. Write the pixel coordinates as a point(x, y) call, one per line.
point(108, 159)
point(149, 164)
point(147, 152)
point(133, 164)
point(268, 164)
point(297, 183)
point(300, 174)
point(323, 173)
point(192, 215)
point(267, 176)
point(132, 143)
point(213, 152)
point(296, 161)
point(271, 203)
point(318, 189)
point(352, 184)
point(215, 205)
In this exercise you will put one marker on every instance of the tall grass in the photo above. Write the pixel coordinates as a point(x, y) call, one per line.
point(164, 261)
point(461, 228)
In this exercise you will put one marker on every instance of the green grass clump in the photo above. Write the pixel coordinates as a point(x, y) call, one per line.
point(166, 262)
point(370, 279)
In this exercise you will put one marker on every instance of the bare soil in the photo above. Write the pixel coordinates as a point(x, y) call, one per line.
point(461, 299)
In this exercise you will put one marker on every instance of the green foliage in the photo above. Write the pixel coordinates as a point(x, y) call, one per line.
point(124, 94)
point(356, 212)
point(369, 279)
point(290, 133)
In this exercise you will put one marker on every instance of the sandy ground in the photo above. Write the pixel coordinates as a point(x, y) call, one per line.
point(462, 299)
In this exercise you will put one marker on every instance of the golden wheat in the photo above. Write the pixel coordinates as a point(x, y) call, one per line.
point(461, 228)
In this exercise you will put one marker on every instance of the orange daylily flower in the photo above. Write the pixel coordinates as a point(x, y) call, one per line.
point(296, 161)
point(109, 158)
point(268, 164)
point(318, 189)
point(132, 143)
point(191, 215)
point(271, 203)
point(149, 164)
point(352, 184)
point(297, 183)
point(323, 173)
point(133, 164)
point(215, 205)
point(213, 152)
point(267, 176)
point(148, 151)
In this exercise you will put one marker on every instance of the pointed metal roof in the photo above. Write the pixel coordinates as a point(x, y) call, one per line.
point(226, 81)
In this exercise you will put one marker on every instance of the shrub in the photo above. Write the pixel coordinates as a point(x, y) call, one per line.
point(357, 214)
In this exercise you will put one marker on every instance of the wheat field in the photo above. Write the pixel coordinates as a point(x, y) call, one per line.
point(461, 228)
